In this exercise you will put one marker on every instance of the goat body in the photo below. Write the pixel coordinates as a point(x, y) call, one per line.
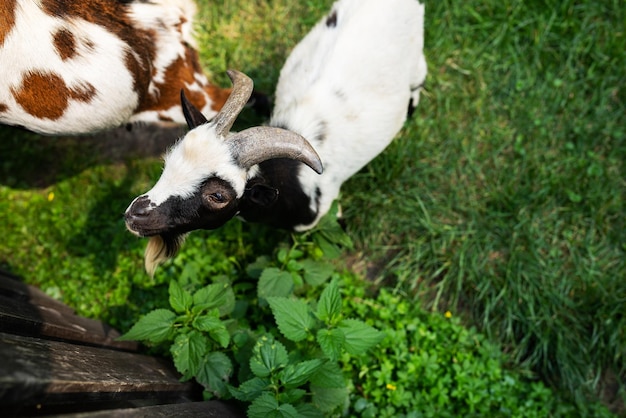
point(346, 88)
point(74, 67)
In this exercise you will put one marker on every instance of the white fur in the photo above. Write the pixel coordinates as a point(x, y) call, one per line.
point(200, 155)
point(356, 79)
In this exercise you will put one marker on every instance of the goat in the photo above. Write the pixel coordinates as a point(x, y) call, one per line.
point(77, 67)
point(345, 88)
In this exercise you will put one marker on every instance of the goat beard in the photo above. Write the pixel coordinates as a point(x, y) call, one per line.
point(159, 249)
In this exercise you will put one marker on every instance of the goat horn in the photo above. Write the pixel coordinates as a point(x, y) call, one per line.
point(255, 145)
point(193, 116)
point(242, 89)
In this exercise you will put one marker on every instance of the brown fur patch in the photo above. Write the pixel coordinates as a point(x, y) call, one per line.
point(180, 73)
point(3, 107)
point(136, 67)
point(217, 94)
point(89, 44)
point(113, 15)
point(46, 96)
point(65, 44)
point(7, 16)
point(165, 118)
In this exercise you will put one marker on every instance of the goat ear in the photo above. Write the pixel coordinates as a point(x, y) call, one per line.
point(261, 195)
point(193, 116)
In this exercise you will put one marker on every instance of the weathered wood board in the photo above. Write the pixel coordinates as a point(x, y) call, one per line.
point(52, 360)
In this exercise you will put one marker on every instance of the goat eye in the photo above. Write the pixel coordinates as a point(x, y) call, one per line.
point(217, 197)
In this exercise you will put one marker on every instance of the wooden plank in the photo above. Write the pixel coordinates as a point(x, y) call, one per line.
point(34, 371)
point(210, 409)
point(13, 286)
point(25, 310)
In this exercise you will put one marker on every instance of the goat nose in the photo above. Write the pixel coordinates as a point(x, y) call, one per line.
point(140, 211)
point(140, 208)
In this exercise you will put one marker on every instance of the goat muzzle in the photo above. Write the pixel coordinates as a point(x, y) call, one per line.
point(140, 219)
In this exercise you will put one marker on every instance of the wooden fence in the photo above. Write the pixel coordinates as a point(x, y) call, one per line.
point(53, 362)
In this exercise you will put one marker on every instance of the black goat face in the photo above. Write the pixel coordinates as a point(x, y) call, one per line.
point(209, 207)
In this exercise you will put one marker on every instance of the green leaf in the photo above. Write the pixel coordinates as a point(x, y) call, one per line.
point(207, 322)
point(262, 406)
point(330, 229)
point(268, 356)
point(274, 282)
point(255, 269)
point(327, 399)
point(328, 387)
point(329, 249)
point(337, 236)
point(573, 196)
point(293, 266)
point(214, 326)
point(293, 317)
point(309, 411)
point(316, 272)
point(221, 336)
point(188, 351)
point(266, 406)
point(329, 376)
point(298, 281)
point(360, 337)
point(189, 273)
point(295, 375)
point(329, 305)
point(250, 389)
point(156, 326)
point(214, 372)
point(331, 342)
point(282, 254)
point(291, 395)
point(180, 299)
point(241, 338)
point(216, 295)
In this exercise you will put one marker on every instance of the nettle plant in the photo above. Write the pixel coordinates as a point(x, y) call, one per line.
point(222, 335)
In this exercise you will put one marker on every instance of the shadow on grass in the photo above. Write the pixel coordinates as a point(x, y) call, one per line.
point(104, 234)
point(33, 161)
point(30, 160)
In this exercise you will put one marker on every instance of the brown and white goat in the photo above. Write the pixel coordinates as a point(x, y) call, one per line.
point(81, 66)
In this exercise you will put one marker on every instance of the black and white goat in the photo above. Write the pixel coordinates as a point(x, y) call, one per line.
point(346, 88)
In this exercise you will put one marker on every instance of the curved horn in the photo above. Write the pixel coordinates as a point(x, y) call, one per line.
point(242, 89)
point(255, 145)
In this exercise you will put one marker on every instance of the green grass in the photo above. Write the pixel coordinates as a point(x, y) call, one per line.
point(504, 197)
point(501, 200)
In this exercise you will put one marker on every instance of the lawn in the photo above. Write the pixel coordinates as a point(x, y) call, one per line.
point(500, 202)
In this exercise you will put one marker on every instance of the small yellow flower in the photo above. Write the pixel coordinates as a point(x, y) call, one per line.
point(391, 387)
point(448, 314)
point(50, 196)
